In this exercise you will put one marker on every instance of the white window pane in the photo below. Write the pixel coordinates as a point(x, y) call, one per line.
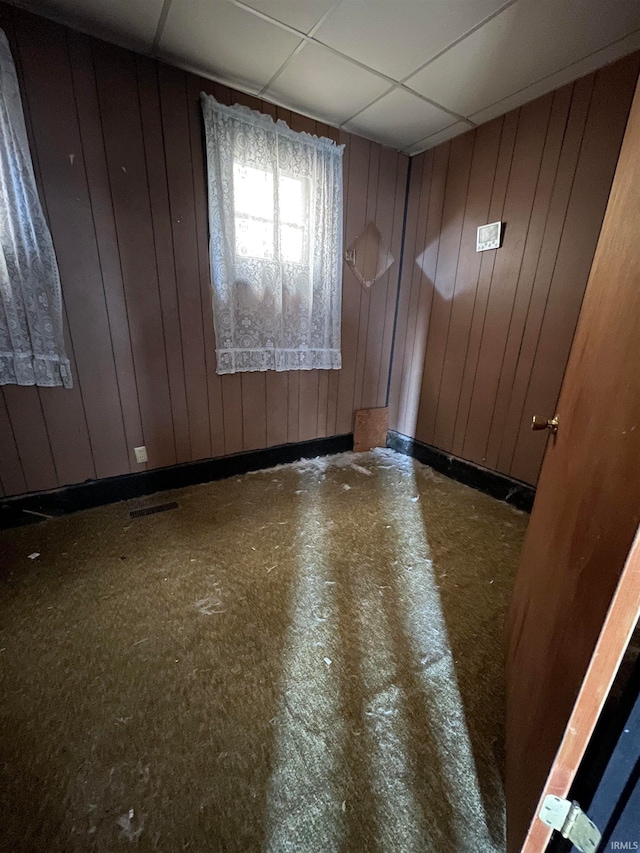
point(291, 200)
point(253, 191)
point(291, 242)
point(254, 239)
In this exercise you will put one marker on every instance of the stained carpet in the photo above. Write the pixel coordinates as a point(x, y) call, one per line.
point(303, 659)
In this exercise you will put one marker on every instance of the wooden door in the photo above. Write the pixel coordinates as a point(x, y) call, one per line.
point(586, 511)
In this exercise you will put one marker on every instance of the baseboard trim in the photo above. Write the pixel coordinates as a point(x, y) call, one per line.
point(492, 483)
point(20, 510)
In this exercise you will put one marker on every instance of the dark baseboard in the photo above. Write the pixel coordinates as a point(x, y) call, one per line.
point(499, 486)
point(34, 507)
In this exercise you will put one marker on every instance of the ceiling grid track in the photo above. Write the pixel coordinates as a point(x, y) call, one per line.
point(160, 28)
point(387, 72)
point(307, 38)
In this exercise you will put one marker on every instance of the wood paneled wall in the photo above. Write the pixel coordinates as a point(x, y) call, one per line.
point(483, 338)
point(116, 141)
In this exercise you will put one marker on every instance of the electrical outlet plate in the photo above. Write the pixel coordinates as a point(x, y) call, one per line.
point(141, 453)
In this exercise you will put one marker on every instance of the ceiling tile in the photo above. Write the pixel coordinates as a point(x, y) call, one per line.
point(314, 80)
point(560, 78)
point(398, 119)
point(436, 138)
point(397, 37)
point(526, 42)
point(121, 21)
point(225, 41)
point(302, 15)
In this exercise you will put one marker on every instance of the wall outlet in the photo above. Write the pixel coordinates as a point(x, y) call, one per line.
point(350, 257)
point(141, 453)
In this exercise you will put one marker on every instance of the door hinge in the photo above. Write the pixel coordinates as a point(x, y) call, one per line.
point(571, 822)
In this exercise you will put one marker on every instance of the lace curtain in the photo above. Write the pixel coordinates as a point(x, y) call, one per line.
point(275, 216)
point(31, 343)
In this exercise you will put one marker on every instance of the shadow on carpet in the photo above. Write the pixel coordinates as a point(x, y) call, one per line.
point(302, 659)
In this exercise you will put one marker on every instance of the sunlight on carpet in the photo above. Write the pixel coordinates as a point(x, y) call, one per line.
point(302, 659)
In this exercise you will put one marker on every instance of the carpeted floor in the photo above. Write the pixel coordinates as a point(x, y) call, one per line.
point(304, 659)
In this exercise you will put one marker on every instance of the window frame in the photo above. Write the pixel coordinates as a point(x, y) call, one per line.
point(307, 201)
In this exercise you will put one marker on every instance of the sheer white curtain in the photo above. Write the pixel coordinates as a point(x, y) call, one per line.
point(275, 216)
point(31, 343)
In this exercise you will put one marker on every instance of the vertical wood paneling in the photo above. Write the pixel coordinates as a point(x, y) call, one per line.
point(527, 156)
point(254, 410)
point(177, 148)
point(308, 405)
point(487, 262)
point(231, 386)
point(293, 406)
point(393, 276)
point(64, 413)
point(323, 403)
point(580, 100)
point(378, 305)
point(524, 288)
point(396, 398)
point(367, 295)
point(412, 278)
point(147, 78)
point(356, 211)
point(81, 60)
point(123, 174)
point(480, 339)
point(449, 225)
point(277, 402)
point(485, 153)
point(58, 150)
point(547, 169)
point(32, 439)
point(122, 128)
point(11, 472)
point(608, 112)
point(424, 277)
point(66, 426)
point(199, 178)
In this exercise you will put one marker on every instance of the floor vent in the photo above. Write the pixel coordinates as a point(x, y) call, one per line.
point(151, 510)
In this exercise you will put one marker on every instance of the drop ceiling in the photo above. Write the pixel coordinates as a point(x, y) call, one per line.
point(407, 73)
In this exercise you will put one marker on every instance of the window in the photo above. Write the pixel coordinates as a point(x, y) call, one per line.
point(275, 215)
point(31, 343)
point(254, 214)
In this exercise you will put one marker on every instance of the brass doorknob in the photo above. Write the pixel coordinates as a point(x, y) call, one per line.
point(539, 422)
